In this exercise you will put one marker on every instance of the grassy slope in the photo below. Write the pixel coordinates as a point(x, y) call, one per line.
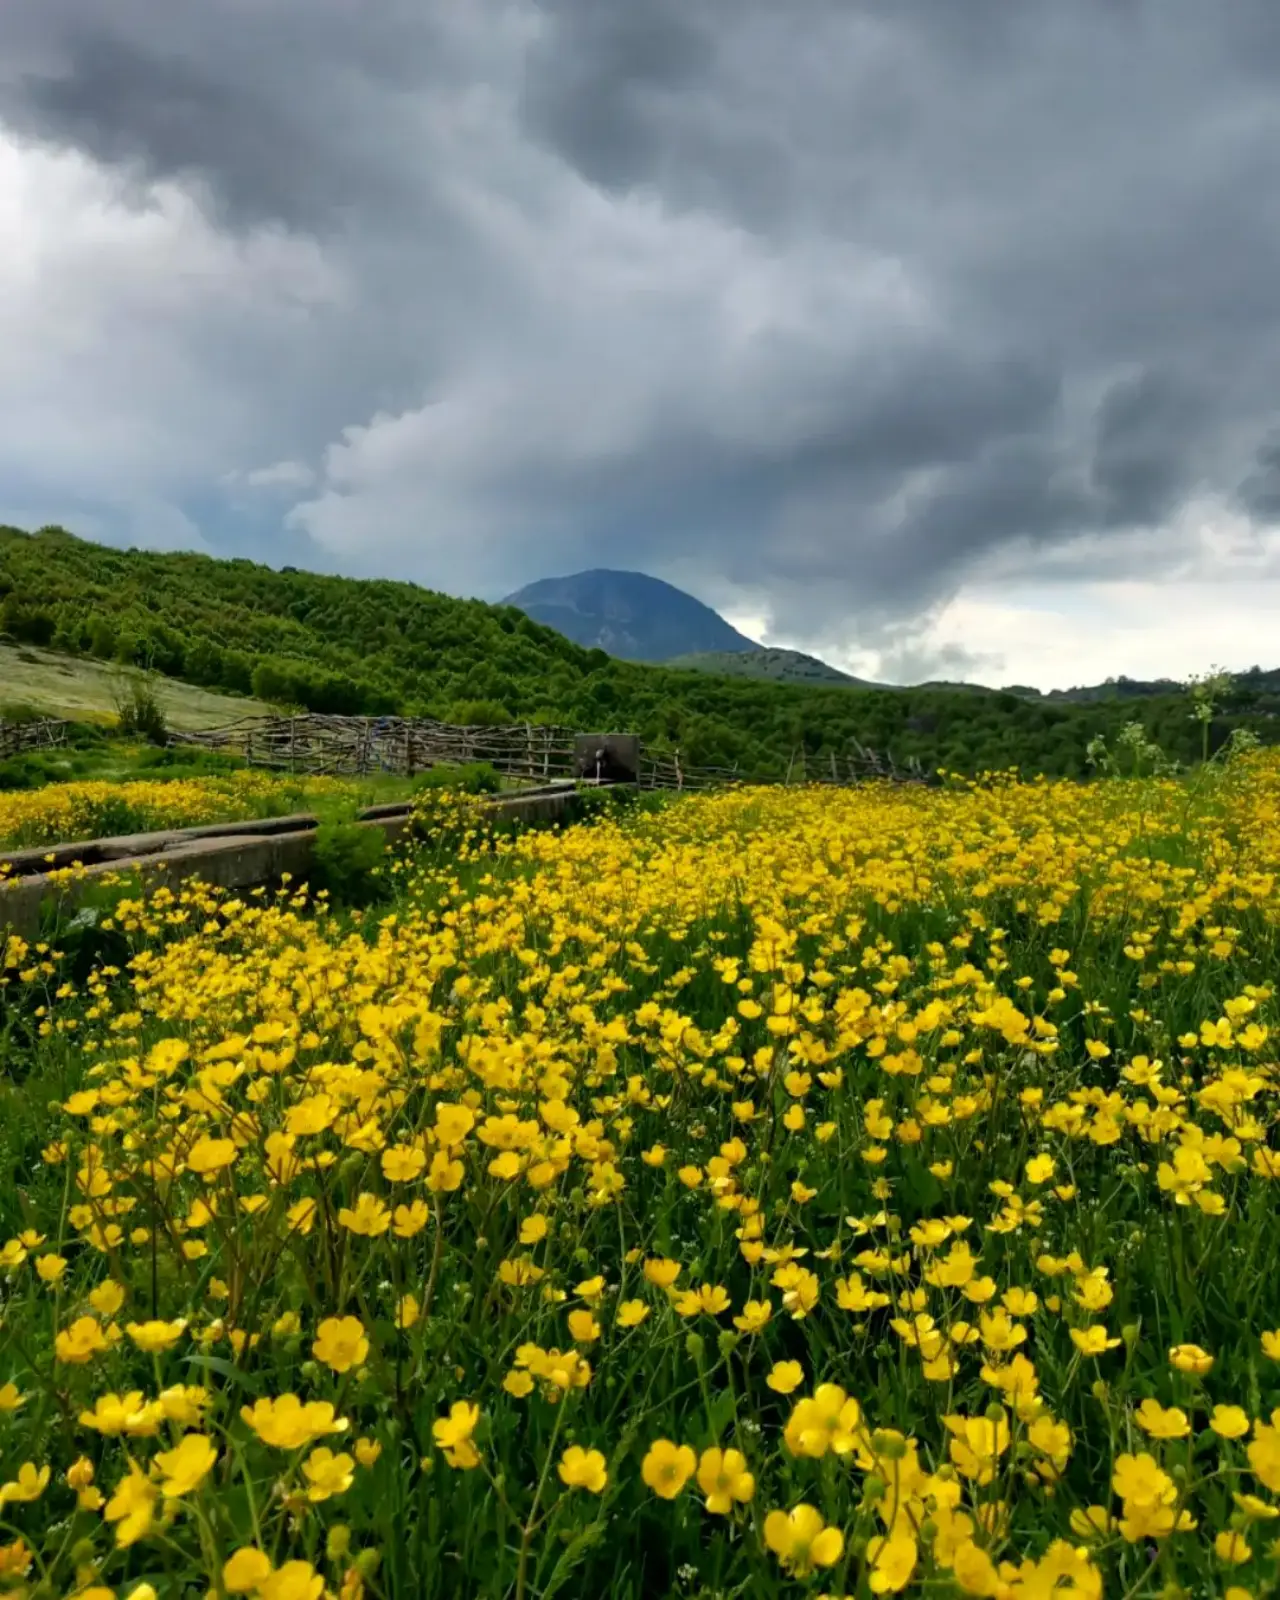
point(83, 690)
point(338, 644)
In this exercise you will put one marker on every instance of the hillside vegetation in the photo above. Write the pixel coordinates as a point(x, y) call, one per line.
point(770, 662)
point(345, 645)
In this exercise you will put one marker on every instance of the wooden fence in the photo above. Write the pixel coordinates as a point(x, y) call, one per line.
point(357, 746)
point(45, 734)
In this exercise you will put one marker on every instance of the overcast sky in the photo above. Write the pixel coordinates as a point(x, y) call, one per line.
point(940, 337)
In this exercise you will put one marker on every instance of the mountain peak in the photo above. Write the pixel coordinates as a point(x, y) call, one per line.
point(629, 614)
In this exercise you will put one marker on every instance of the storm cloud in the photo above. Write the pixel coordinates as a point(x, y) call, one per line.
point(833, 312)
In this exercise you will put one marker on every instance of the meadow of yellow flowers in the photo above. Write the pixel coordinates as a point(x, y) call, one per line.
point(96, 808)
point(778, 1192)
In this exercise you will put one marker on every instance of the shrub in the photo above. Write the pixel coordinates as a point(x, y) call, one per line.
point(477, 777)
point(138, 709)
point(348, 863)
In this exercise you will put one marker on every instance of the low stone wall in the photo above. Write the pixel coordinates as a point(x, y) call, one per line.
point(231, 855)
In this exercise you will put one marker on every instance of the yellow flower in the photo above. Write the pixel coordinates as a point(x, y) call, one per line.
point(10, 1398)
point(407, 1311)
point(1190, 1358)
point(1041, 1168)
point(1231, 1422)
point(583, 1327)
point(1271, 1344)
point(79, 1343)
point(723, 1478)
point(892, 1560)
point(1232, 1548)
point(327, 1474)
point(246, 1570)
point(211, 1155)
point(28, 1485)
point(661, 1272)
point(296, 1580)
point(754, 1315)
point(340, 1343)
point(369, 1217)
point(785, 1376)
point(403, 1163)
point(453, 1124)
point(977, 1443)
point(127, 1413)
point(185, 1467)
point(452, 1435)
point(132, 1506)
point(1264, 1454)
point(1255, 1509)
point(801, 1540)
point(15, 1562)
point(583, 1469)
point(533, 1229)
point(156, 1337)
point(50, 1268)
point(409, 1221)
point(631, 1313)
point(1093, 1340)
point(367, 1451)
point(288, 1423)
point(1152, 1418)
point(447, 1172)
point(707, 1297)
point(667, 1467)
point(828, 1420)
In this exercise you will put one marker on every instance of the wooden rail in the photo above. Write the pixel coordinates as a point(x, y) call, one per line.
point(356, 746)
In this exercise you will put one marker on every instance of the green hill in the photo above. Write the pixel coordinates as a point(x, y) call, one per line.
point(340, 644)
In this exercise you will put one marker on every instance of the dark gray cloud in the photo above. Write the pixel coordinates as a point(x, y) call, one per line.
point(1144, 460)
point(826, 308)
point(1260, 491)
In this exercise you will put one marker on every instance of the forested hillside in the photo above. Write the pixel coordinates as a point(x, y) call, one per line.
point(340, 644)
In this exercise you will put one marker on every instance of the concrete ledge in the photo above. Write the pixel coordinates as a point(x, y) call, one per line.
point(234, 855)
point(117, 847)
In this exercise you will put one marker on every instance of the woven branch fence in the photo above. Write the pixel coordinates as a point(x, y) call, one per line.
point(45, 734)
point(357, 746)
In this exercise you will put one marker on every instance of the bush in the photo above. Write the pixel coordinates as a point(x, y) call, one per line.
point(139, 710)
point(188, 761)
point(477, 777)
point(348, 862)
